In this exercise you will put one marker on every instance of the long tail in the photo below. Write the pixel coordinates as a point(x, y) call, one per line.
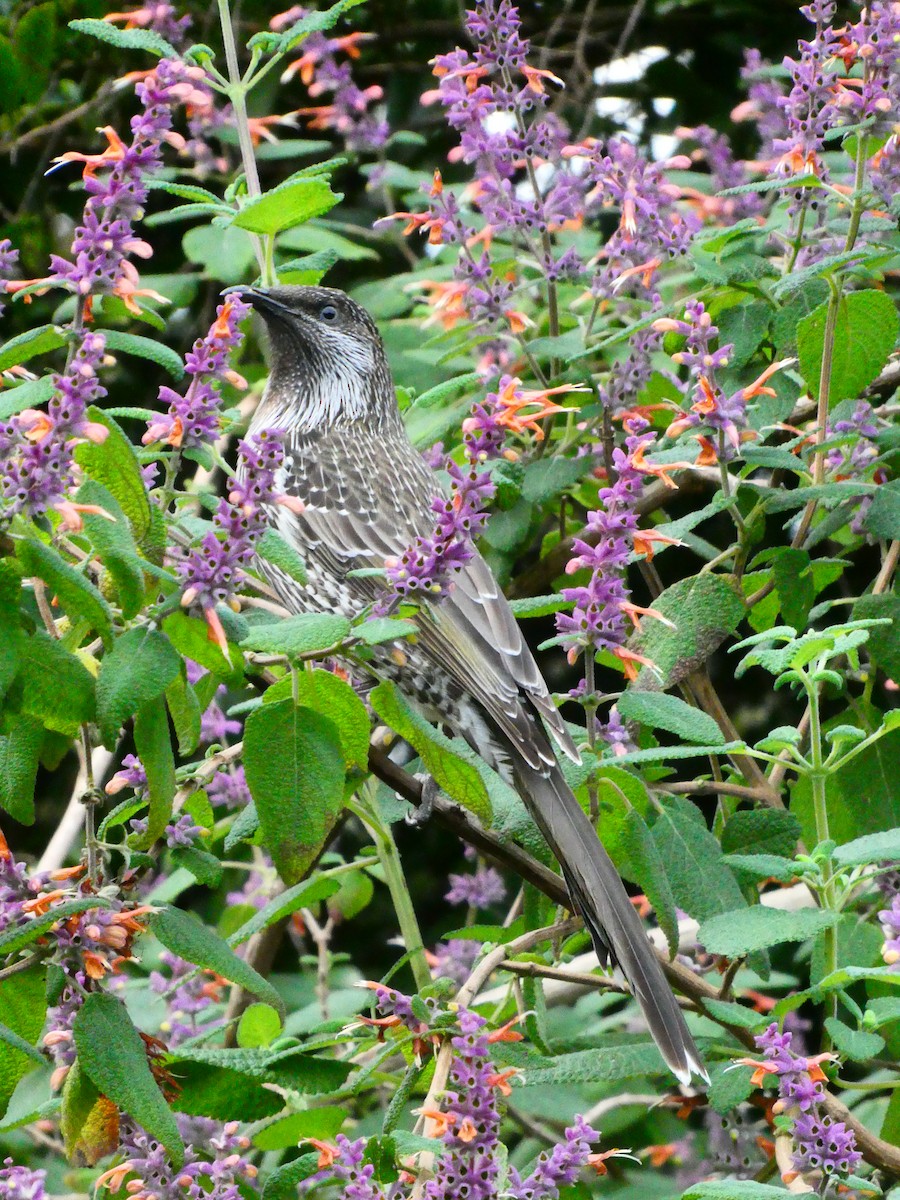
point(599, 896)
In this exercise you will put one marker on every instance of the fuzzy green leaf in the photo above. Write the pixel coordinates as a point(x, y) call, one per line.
point(291, 203)
point(137, 671)
point(459, 779)
point(144, 347)
point(298, 791)
point(56, 687)
point(308, 633)
point(865, 333)
point(75, 592)
point(701, 882)
point(736, 934)
point(660, 711)
point(114, 1057)
point(114, 463)
point(186, 936)
point(125, 39)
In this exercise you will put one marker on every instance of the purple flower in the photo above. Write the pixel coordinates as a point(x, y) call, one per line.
point(116, 183)
point(229, 788)
point(132, 775)
point(598, 619)
point(890, 926)
point(193, 419)
point(36, 448)
point(820, 1144)
point(712, 409)
point(823, 1144)
point(455, 959)
point(558, 1167)
point(349, 112)
point(482, 889)
point(428, 566)
point(217, 1169)
point(21, 1183)
point(215, 726)
point(213, 571)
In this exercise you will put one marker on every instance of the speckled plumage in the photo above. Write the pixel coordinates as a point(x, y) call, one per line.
point(367, 496)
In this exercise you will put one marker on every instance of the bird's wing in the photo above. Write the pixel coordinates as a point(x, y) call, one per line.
point(369, 504)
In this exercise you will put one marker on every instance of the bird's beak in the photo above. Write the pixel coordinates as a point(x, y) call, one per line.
point(260, 299)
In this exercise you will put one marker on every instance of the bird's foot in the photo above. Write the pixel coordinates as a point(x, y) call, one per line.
point(422, 813)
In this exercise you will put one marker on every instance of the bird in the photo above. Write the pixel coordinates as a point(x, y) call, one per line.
point(365, 496)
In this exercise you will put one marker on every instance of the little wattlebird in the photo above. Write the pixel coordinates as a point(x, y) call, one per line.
point(366, 497)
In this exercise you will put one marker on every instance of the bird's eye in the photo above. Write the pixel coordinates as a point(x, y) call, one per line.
point(328, 312)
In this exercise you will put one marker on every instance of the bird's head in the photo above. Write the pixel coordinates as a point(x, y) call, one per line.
point(327, 360)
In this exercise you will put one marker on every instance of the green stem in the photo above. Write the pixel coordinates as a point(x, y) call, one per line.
point(365, 809)
point(237, 94)
point(818, 779)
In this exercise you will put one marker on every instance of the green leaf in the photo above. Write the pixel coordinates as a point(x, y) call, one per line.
point(376, 630)
point(700, 881)
point(314, 22)
point(283, 1183)
point(125, 39)
point(734, 1189)
point(871, 774)
point(144, 347)
point(28, 345)
point(739, 1015)
point(298, 792)
point(275, 550)
point(222, 1094)
point(309, 633)
point(884, 640)
point(190, 638)
point(88, 1120)
point(12, 636)
point(75, 592)
point(225, 254)
point(793, 579)
point(865, 333)
point(154, 748)
point(20, 751)
point(737, 934)
point(751, 868)
point(137, 671)
point(23, 1006)
point(883, 517)
point(114, 463)
point(761, 831)
point(660, 711)
point(728, 1087)
point(704, 610)
point(745, 326)
point(334, 698)
point(31, 394)
point(548, 477)
point(459, 779)
point(855, 1044)
point(290, 1068)
point(301, 895)
point(114, 1058)
point(538, 606)
point(204, 867)
point(186, 936)
point(114, 545)
point(583, 1066)
point(872, 848)
point(259, 1025)
point(324, 1123)
point(882, 1010)
point(291, 203)
point(56, 687)
point(184, 709)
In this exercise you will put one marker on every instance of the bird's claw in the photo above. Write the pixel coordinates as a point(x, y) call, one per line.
point(422, 813)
